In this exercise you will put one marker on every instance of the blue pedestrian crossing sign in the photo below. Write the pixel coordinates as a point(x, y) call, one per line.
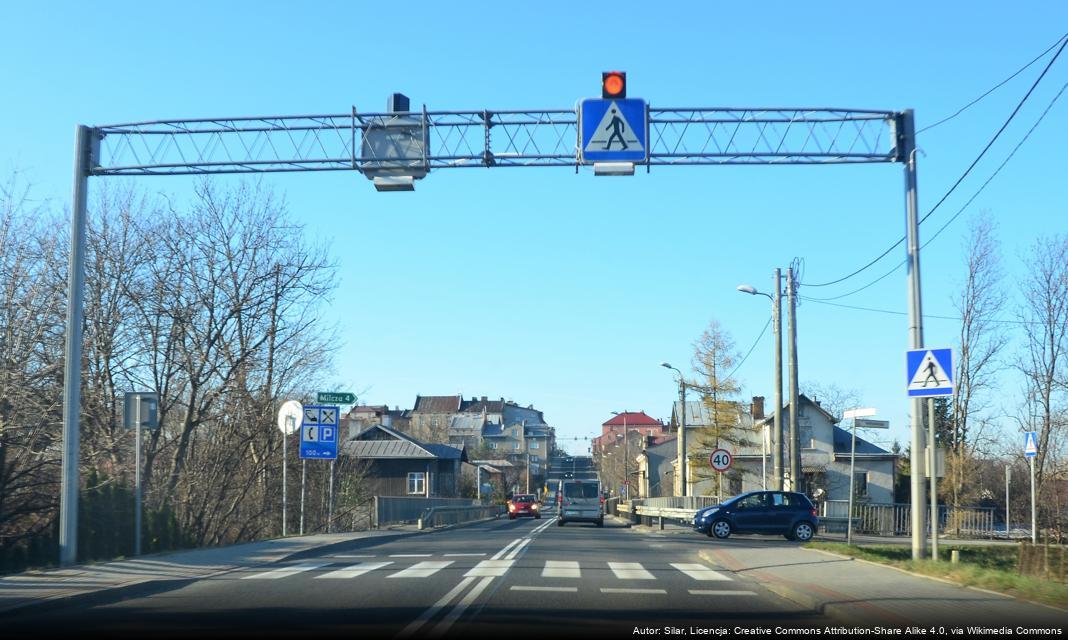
point(1031, 444)
point(318, 432)
point(613, 130)
point(930, 372)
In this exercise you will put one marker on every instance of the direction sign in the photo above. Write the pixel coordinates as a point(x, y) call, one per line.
point(1031, 444)
point(332, 397)
point(721, 460)
point(318, 432)
point(613, 130)
point(929, 372)
point(868, 423)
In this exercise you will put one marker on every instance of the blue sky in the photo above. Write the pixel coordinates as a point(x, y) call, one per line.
point(560, 290)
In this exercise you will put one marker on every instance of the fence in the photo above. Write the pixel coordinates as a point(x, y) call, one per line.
point(1041, 561)
point(681, 502)
point(896, 519)
point(436, 516)
point(402, 509)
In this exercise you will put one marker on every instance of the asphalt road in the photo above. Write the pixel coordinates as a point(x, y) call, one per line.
point(502, 579)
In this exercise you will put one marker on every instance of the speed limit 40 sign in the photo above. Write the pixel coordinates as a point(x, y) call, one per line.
point(721, 460)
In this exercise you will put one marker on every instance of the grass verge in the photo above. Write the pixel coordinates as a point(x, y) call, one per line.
point(992, 568)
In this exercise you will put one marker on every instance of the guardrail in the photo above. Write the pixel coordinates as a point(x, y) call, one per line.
point(406, 510)
point(436, 516)
point(681, 502)
point(896, 519)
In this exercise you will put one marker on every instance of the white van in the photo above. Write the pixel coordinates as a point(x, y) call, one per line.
point(581, 501)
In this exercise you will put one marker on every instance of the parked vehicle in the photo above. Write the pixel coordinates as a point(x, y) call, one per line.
point(783, 513)
point(581, 501)
point(523, 504)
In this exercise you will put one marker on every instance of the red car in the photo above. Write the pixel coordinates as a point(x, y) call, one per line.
point(523, 504)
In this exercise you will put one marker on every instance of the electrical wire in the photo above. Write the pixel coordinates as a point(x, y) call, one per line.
point(873, 282)
point(995, 87)
point(903, 313)
point(998, 170)
point(755, 343)
point(959, 180)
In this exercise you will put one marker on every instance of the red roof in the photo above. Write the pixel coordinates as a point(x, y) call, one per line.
point(633, 419)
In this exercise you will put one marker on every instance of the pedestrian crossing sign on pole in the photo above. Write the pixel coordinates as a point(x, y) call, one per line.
point(1031, 444)
point(930, 372)
point(613, 130)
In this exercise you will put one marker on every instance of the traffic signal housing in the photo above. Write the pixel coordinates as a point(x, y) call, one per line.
point(614, 84)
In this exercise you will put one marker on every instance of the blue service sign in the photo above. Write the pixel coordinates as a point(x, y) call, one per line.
point(318, 432)
point(929, 372)
point(1031, 444)
point(613, 130)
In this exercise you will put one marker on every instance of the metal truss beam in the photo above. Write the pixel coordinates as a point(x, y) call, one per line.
point(701, 136)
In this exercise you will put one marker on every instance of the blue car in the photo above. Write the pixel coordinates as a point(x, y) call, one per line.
point(784, 513)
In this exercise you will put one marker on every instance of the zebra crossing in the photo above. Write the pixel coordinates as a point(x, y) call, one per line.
point(395, 567)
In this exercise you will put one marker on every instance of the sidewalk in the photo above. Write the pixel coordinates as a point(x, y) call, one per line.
point(18, 591)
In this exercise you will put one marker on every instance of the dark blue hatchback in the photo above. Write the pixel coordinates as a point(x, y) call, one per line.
point(783, 513)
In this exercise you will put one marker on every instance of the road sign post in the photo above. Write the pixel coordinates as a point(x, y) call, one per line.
point(335, 397)
point(854, 414)
point(721, 460)
point(288, 416)
point(930, 375)
point(613, 130)
point(140, 409)
point(318, 432)
point(1031, 451)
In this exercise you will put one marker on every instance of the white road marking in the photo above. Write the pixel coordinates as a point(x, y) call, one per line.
point(560, 589)
point(432, 611)
point(461, 606)
point(507, 547)
point(464, 555)
point(354, 570)
point(630, 571)
point(663, 591)
point(561, 569)
point(518, 548)
point(346, 556)
point(708, 592)
point(411, 555)
point(422, 569)
point(699, 571)
point(490, 568)
point(284, 572)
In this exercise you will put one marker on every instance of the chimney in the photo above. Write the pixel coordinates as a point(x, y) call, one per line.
point(758, 407)
point(387, 421)
point(484, 398)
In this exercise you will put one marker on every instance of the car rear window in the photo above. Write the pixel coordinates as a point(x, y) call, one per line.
point(576, 490)
point(523, 498)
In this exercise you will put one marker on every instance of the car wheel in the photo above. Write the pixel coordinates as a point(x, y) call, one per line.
point(802, 532)
point(511, 516)
point(560, 523)
point(721, 529)
point(600, 523)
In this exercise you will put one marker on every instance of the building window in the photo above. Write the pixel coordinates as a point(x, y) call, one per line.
point(493, 445)
point(534, 444)
point(860, 484)
point(516, 446)
point(533, 458)
point(417, 483)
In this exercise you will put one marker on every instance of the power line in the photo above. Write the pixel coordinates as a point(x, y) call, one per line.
point(873, 282)
point(960, 179)
point(904, 313)
point(1000, 167)
point(755, 343)
point(995, 87)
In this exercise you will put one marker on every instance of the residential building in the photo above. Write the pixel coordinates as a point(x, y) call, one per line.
point(635, 423)
point(399, 465)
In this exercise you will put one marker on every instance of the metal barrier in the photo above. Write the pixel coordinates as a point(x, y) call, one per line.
point(681, 502)
point(896, 519)
point(405, 510)
point(435, 516)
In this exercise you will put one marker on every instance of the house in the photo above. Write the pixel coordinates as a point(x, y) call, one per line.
point(825, 454)
point(399, 465)
point(633, 422)
point(360, 417)
point(656, 466)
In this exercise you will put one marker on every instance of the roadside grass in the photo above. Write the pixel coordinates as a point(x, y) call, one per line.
point(985, 567)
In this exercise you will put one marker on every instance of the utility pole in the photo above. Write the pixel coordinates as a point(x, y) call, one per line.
point(1008, 476)
point(776, 434)
point(906, 140)
point(795, 438)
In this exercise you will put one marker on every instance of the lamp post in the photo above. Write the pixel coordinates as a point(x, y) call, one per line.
point(776, 319)
point(682, 429)
point(626, 453)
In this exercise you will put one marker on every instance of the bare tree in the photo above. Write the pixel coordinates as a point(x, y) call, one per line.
point(979, 303)
point(1044, 312)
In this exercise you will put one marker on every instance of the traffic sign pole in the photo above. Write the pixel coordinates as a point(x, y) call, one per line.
point(934, 477)
point(303, 476)
point(1034, 520)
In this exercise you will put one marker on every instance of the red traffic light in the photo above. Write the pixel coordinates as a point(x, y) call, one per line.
point(614, 84)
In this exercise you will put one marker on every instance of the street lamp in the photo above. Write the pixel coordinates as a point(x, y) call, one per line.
point(682, 429)
point(776, 317)
point(626, 453)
